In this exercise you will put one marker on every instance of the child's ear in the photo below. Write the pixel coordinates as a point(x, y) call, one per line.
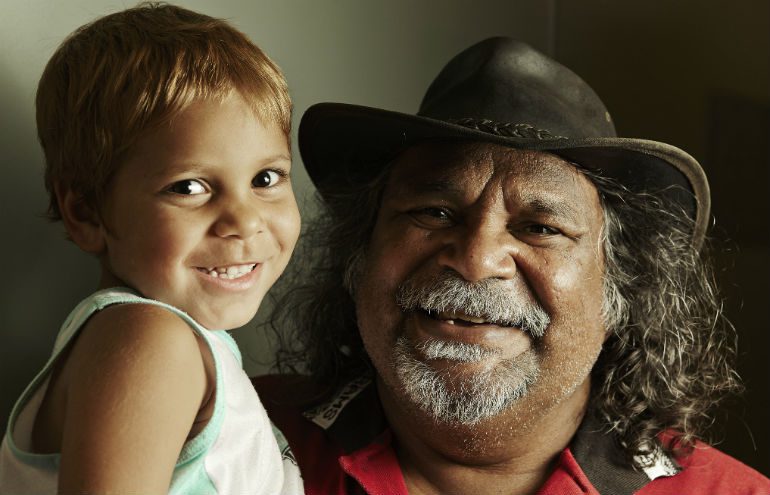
point(82, 221)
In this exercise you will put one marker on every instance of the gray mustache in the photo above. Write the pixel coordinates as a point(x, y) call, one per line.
point(491, 299)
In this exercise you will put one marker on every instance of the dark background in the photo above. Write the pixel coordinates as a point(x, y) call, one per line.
point(696, 75)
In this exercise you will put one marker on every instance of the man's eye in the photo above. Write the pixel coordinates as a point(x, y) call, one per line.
point(187, 187)
point(432, 212)
point(267, 178)
point(540, 229)
point(437, 213)
point(432, 216)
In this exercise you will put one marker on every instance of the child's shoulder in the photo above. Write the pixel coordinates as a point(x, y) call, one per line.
point(143, 328)
point(134, 364)
point(139, 342)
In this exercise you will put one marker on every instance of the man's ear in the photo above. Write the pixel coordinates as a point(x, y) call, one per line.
point(82, 221)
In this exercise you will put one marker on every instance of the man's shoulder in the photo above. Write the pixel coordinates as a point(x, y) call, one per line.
point(708, 470)
point(349, 416)
point(284, 390)
point(286, 398)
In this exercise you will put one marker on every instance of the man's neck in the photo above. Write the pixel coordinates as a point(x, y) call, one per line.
point(513, 453)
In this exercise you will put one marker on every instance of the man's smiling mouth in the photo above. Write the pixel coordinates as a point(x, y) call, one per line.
point(458, 318)
point(229, 272)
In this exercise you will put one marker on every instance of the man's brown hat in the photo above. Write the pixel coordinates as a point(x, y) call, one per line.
point(502, 91)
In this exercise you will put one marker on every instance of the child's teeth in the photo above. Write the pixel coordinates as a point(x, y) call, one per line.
point(230, 272)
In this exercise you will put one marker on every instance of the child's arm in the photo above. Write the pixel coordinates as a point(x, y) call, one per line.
point(135, 383)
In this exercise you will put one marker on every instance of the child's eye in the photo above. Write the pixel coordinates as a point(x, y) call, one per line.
point(187, 187)
point(267, 178)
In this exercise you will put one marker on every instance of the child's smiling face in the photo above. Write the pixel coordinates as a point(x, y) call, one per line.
point(202, 214)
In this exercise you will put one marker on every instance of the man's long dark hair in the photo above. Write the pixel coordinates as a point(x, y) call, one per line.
point(666, 364)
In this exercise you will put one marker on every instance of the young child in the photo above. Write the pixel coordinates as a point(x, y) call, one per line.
point(166, 142)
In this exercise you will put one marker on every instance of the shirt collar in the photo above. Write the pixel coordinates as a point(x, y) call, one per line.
point(354, 419)
point(605, 464)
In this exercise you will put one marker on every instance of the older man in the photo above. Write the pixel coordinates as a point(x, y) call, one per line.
point(511, 298)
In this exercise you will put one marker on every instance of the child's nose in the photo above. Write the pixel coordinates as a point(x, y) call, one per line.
point(239, 219)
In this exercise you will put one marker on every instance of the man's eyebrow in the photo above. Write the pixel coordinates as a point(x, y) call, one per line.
point(551, 208)
point(432, 185)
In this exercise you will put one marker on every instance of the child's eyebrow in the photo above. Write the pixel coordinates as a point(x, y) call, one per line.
point(276, 158)
point(200, 167)
point(177, 168)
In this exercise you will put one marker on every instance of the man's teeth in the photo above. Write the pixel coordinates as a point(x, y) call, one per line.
point(229, 272)
point(451, 316)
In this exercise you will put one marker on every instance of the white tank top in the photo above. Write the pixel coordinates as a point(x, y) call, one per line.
point(238, 452)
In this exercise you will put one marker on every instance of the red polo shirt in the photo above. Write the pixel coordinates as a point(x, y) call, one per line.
point(345, 447)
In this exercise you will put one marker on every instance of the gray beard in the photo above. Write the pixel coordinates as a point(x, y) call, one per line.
point(451, 396)
point(461, 400)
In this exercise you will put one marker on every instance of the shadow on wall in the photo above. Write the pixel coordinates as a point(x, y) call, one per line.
point(43, 275)
point(739, 164)
point(697, 75)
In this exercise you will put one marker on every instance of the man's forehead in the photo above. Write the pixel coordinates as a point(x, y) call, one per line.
point(446, 166)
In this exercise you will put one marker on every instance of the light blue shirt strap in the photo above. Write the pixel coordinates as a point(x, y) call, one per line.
point(87, 307)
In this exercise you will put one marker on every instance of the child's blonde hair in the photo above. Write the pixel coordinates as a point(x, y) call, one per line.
point(126, 73)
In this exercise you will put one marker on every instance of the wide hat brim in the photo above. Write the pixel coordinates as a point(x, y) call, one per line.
point(342, 143)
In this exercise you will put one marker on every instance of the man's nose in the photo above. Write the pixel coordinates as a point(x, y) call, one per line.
point(480, 252)
point(239, 217)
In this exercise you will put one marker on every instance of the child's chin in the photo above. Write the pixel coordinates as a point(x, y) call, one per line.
point(229, 320)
